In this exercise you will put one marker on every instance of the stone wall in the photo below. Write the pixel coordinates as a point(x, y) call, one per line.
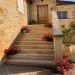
point(70, 8)
point(33, 8)
point(11, 21)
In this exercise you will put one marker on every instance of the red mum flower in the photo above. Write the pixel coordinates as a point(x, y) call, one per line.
point(6, 50)
point(68, 66)
point(65, 60)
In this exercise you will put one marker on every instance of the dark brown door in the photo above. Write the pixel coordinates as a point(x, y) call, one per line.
point(42, 13)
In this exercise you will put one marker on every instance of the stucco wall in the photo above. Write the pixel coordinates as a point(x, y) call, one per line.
point(33, 8)
point(11, 21)
point(70, 8)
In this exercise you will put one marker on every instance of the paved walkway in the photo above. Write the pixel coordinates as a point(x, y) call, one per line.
point(22, 70)
point(25, 70)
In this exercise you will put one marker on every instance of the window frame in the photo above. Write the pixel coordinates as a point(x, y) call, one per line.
point(61, 14)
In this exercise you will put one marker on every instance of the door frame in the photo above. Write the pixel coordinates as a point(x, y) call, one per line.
point(38, 12)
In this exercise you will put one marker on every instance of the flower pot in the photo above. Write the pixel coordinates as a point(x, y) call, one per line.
point(48, 37)
point(24, 31)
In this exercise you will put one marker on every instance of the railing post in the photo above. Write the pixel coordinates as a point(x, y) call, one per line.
point(58, 47)
point(58, 39)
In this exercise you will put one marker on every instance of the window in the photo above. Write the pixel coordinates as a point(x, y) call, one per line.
point(20, 6)
point(62, 14)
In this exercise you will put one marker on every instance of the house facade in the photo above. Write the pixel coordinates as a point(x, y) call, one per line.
point(13, 17)
point(40, 11)
point(66, 13)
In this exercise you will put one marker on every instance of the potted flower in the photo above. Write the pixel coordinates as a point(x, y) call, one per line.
point(48, 25)
point(25, 29)
point(11, 51)
point(48, 37)
point(61, 67)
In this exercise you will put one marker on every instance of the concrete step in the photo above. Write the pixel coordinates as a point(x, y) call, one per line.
point(29, 39)
point(24, 35)
point(38, 33)
point(41, 31)
point(30, 36)
point(29, 62)
point(33, 35)
point(33, 56)
point(38, 27)
point(34, 46)
point(33, 43)
point(39, 51)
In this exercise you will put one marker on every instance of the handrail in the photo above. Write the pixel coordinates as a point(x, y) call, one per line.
point(57, 30)
point(58, 39)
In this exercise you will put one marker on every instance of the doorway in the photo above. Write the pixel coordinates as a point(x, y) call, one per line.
point(42, 14)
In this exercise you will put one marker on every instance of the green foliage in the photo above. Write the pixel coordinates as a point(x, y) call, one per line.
point(66, 55)
point(72, 59)
point(72, 25)
point(68, 33)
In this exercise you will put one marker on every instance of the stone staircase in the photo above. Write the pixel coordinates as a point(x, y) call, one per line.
point(34, 51)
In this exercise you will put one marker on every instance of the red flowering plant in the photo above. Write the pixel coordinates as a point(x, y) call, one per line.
point(25, 29)
point(11, 51)
point(48, 37)
point(60, 67)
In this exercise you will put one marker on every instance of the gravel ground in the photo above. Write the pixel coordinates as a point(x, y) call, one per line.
point(23, 70)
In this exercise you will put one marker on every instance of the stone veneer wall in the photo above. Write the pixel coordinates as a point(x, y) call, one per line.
point(70, 8)
point(11, 21)
point(33, 8)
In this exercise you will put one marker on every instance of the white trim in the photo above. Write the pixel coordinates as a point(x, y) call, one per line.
point(54, 48)
point(20, 6)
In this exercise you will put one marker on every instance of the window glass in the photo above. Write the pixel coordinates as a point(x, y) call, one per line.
point(62, 14)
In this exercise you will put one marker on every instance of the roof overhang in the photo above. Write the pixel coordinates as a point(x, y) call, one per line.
point(60, 2)
point(30, 1)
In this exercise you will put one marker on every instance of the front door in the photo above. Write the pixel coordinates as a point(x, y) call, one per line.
point(42, 14)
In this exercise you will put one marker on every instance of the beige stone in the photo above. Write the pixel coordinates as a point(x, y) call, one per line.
point(2, 33)
point(70, 8)
point(33, 8)
point(11, 21)
point(58, 47)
